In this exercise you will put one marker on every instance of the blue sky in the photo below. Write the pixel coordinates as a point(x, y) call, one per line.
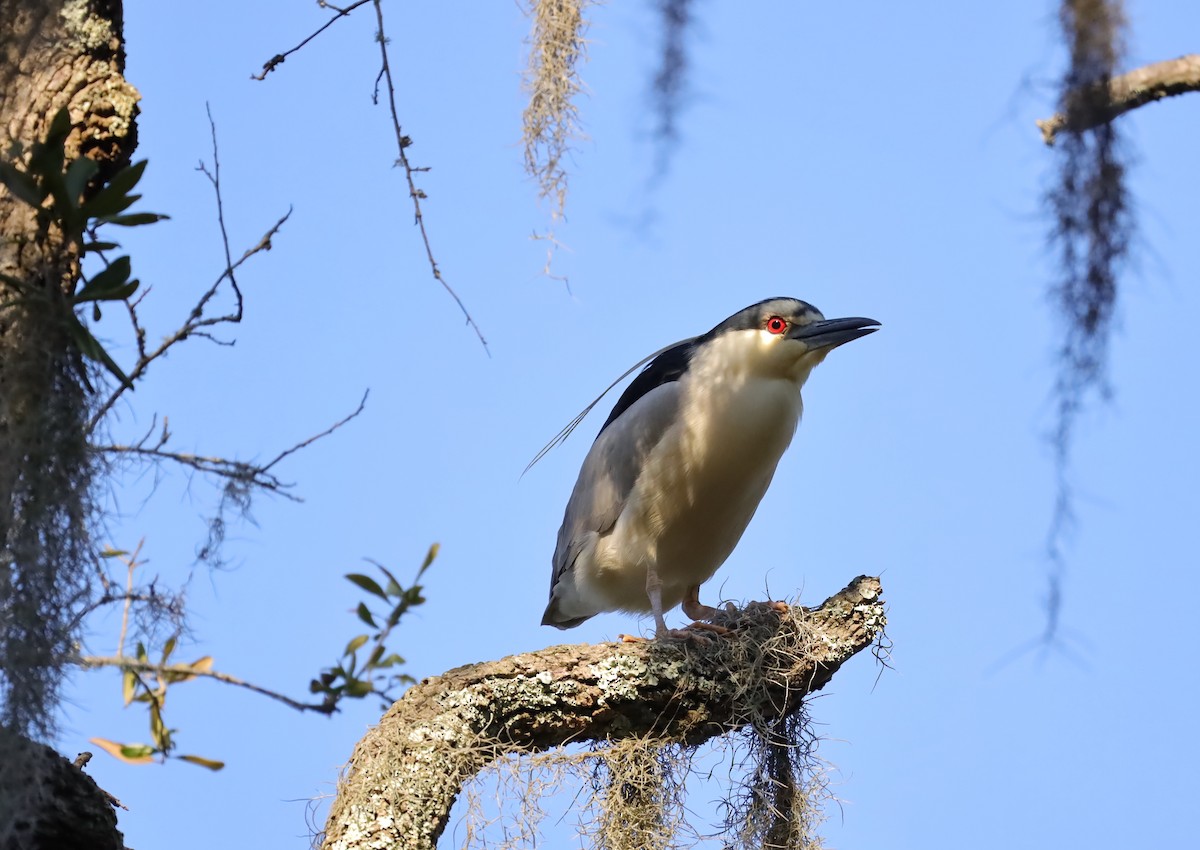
point(876, 160)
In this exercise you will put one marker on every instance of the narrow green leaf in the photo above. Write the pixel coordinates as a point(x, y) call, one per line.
point(356, 643)
point(22, 185)
point(376, 654)
point(125, 179)
point(100, 246)
point(359, 688)
point(60, 127)
point(128, 686)
point(107, 204)
point(93, 350)
point(429, 556)
point(211, 764)
point(133, 219)
point(364, 614)
point(79, 172)
point(131, 753)
point(115, 197)
point(168, 648)
point(105, 281)
point(112, 553)
point(134, 752)
point(367, 583)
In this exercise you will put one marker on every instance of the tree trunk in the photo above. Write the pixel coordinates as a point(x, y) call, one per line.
point(406, 773)
point(54, 54)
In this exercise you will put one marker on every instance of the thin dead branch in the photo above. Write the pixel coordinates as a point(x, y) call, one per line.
point(403, 142)
point(197, 323)
point(185, 671)
point(250, 474)
point(1129, 91)
point(279, 58)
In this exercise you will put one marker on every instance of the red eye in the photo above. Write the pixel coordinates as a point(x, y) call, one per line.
point(776, 325)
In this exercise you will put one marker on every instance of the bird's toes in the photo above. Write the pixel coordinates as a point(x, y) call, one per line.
point(709, 628)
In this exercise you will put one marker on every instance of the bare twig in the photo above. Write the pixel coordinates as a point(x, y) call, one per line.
point(1136, 88)
point(131, 565)
point(252, 474)
point(279, 58)
point(196, 321)
point(402, 142)
point(124, 662)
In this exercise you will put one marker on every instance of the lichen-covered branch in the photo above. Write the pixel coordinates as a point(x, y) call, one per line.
point(406, 773)
point(1136, 88)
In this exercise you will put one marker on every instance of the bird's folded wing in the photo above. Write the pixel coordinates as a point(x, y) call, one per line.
point(611, 469)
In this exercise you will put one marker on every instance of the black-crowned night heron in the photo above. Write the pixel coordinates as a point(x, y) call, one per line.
point(683, 460)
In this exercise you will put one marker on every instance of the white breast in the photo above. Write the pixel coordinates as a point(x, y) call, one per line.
point(701, 485)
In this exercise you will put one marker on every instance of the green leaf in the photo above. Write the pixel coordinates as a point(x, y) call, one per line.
point(128, 686)
point(211, 764)
point(47, 158)
point(391, 661)
point(112, 553)
point(168, 648)
point(111, 206)
point(22, 185)
point(367, 583)
point(79, 172)
point(131, 753)
point(364, 614)
point(356, 643)
point(110, 284)
point(99, 246)
point(60, 127)
point(133, 219)
point(359, 688)
point(429, 556)
point(115, 197)
point(93, 350)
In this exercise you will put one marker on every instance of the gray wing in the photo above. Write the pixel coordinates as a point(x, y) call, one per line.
point(610, 471)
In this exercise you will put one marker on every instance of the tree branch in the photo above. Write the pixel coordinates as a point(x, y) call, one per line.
point(402, 142)
point(249, 473)
point(1136, 88)
point(197, 322)
point(184, 671)
point(406, 773)
point(279, 58)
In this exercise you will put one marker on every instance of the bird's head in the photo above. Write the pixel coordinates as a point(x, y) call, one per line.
point(779, 337)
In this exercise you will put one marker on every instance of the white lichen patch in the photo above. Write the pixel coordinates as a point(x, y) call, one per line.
point(85, 26)
point(618, 676)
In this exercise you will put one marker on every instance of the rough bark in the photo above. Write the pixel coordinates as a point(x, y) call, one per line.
point(1136, 88)
point(405, 775)
point(53, 54)
point(52, 803)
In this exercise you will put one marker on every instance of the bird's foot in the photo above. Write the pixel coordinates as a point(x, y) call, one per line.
point(711, 628)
